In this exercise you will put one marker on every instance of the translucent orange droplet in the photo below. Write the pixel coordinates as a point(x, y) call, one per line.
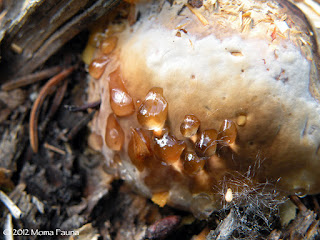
point(168, 148)
point(139, 148)
point(206, 145)
point(160, 132)
point(189, 126)
point(97, 66)
point(192, 164)
point(120, 100)
point(109, 44)
point(228, 131)
point(153, 111)
point(114, 136)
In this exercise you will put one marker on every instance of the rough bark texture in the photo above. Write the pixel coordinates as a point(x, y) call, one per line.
point(31, 31)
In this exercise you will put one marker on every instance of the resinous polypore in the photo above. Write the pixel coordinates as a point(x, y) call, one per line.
point(194, 95)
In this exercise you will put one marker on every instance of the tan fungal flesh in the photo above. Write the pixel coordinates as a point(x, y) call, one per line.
point(181, 120)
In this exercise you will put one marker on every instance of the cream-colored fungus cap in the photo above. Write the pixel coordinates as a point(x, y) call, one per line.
point(194, 95)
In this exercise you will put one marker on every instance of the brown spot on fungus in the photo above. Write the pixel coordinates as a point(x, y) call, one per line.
point(196, 3)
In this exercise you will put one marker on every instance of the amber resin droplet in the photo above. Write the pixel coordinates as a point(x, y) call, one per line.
point(120, 100)
point(109, 44)
point(168, 148)
point(153, 111)
point(139, 149)
point(114, 136)
point(192, 164)
point(97, 66)
point(206, 145)
point(160, 132)
point(228, 131)
point(189, 126)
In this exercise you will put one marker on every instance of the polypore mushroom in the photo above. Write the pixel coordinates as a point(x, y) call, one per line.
point(203, 92)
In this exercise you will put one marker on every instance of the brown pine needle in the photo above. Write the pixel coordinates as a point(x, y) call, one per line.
point(57, 99)
point(54, 149)
point(46, 89)
point(32, 78)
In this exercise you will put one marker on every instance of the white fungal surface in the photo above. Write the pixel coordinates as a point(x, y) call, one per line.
point(252, 60)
